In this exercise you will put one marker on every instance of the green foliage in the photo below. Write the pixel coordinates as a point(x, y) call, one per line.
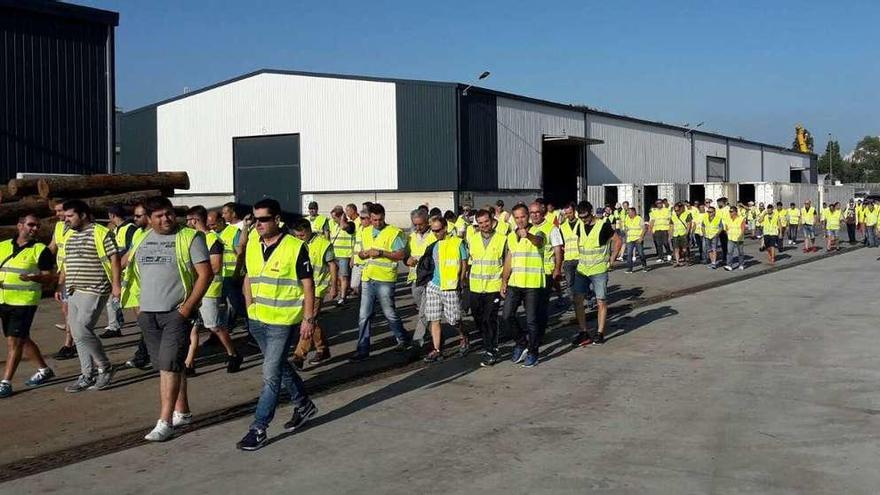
point(863, 167)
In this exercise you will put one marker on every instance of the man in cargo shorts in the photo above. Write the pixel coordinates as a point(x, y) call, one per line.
point(808, 217)
point(442, 302)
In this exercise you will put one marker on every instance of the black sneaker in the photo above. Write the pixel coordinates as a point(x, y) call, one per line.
point(358, 358)
point(489, 359)
point(254, 440)
point(582, 339)
point(233, 363)
point(301, 414)
point(433, 357)
point(464, 349)
point(190, 370)
point(65, 353)
point(138, 363)
point(402, 346)
point(598, 339)
point(298, 363)
point(111, 334)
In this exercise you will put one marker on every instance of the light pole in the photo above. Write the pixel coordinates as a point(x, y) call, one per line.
point(482, 76)
point(830, 159)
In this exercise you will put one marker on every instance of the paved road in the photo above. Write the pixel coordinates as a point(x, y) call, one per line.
point(765, 386)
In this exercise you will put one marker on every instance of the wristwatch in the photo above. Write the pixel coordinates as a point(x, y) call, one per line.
point(311, 320)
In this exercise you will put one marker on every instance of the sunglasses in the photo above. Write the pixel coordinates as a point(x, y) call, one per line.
point(266, 219)
point(437, 231)
point(139, 216)
point(31, 224)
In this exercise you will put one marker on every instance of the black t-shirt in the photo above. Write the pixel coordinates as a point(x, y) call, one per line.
point(45, 262)
point(217, 248)
point(303, 264)
point(605, 234)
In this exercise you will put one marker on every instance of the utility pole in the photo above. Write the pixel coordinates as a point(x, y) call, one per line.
point(830, 159)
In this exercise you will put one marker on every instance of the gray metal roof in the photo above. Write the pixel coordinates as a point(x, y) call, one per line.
point(66, 10)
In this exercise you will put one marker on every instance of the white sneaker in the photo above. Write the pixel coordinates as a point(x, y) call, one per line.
point(181, 419)
point(160, 433)
point(668, 258)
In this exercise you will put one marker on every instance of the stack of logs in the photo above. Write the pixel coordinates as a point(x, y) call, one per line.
point(100, 192)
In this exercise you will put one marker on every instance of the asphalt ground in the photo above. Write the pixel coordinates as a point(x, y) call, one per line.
point(767, 385)
point(69, 428)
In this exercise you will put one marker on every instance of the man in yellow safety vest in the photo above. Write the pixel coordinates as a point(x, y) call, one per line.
point(325, 270)
point(598, 245)
point(711, 236)
point(870, 214)
point(320, 223)
point(523, 283)
point(771, 227)
point(794, 223)
point(60, 234)
point(279, 291)
point(832, 222)
point(808, 219)
point(420, 237)
point(487, 249)
point(361, 227)
point(659, 219)
point(342, 232)
point(568, 227)
point(552, 258)
point(25, 265)
point(383, 247)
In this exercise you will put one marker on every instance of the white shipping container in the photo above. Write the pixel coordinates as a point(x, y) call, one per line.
point(631, 193)
point(673, 192)
point(715, 190)
point(834, 194)
point(596, 196)
point(774, 192)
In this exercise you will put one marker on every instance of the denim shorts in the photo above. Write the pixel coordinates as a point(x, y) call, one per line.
point(712, 244)
point(599, 282)
point(344, 265)
point(809, 232)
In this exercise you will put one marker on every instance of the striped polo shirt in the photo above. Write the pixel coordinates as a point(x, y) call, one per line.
point(82, 267)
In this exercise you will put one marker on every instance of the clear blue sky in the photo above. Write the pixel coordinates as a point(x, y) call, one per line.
point(747, 68)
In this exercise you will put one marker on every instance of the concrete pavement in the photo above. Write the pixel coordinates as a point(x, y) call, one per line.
point(763, 386)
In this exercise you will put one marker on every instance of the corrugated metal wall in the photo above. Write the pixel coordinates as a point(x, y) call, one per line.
point(478, 129)
point(426, 147)
point(706, 146)
point(521, 127)
point(348, 132)
point(55, 104)
point(745, 162)
point(637, 153)
point(777, 165)
point(137, 150)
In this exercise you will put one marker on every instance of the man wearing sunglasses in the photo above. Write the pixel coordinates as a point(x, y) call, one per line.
point(279, 291)
point(362, 225)
point(60, 234)
point(25, 265)
point(487, 249)
point(598, 244)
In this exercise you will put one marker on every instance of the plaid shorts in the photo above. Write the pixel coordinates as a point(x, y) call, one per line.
point(442, 303)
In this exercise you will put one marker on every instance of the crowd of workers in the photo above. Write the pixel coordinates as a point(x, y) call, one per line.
point(224, 265)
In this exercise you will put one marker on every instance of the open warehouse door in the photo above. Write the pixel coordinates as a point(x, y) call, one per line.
point(563, 165)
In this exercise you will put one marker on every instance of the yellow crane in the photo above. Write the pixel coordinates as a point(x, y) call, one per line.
point(803, 139)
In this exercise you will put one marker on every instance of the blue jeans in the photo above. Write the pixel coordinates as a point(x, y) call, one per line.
point(384, 293)
point(232, 292)
point(275, 342)
point(871, 235)
point(631, 248)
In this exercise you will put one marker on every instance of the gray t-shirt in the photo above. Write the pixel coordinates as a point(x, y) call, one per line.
point(161, 287)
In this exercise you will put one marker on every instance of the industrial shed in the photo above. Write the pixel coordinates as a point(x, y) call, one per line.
point(56, 88)
point(337, 139)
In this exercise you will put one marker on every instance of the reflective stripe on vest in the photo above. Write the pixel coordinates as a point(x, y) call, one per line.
point(215, 290)
point(794, 216)
point(61, 234)
point(661, 218)
point(549, 256)
point(318, 246)
point(417, 247)
point(487, 262)
point(832, 220)
point(770, 224)
point(569, 236)
point(343, 242)
point(13, 290)
point(527, 262)
point(679, 224)
point(318, 223)
point(870, 217)
point(711, 226)
point(380, 269)
point(131, 278)
point(594, 258)
point(277, 295)
point(808, 215)
point(449, 255)
point(227, 235)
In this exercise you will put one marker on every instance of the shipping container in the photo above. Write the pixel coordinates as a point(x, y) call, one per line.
point(618, 193)
point(668, 191)
point(596, 195)
point(702, 191)
point(774, 192)
point(834, 194)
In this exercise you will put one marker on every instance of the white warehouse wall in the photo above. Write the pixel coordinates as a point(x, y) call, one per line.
point(521, 127)
point(707, 146)
point(636, 153)
point(778, 165)
point(348, 134)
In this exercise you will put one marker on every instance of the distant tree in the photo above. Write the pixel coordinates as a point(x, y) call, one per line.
point(832, 159)
point(866, 159)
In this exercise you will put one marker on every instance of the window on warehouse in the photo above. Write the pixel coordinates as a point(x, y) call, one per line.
point(716, 169)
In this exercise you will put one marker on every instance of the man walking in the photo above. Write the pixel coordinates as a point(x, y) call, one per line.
point(523, 283)
point(711, 236)
point(599, 244)
point(794, 223)
point(320, 223)
point(342, 232)
point(357, 270)
point(141, 358)
point(658, 225)
point(280, 295)
point(808, 218)
point(770, 225)
point(832, 226)
point(91, 275)
point(552, 258)
point(681, 229)
point(487, 249)
point(736, 230)
point(420, 237)
point(211, 310)
point(447, 260)
point(26, 265)
point(169, 273)
point(60, 234)
point(233, 233)
point(324, 272)
point(568, 227)
point(123, 233)
point(635, 235)
point(870, 214)
point(382, 248)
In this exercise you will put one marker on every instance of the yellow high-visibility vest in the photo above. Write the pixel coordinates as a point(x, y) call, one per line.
point(794, 216)
point(343, 242)
point(61, 234)
point(808, 215)
point(661, 218)
point(318, 246)
point(380, 269)
point(570, 237)
point(449, 256)
point(359, 243)
point(276, 291)
point(594, 258)
point(131, 283)
point(549, 256)
point(227, 235)
point(680, 224)
point(770, 224)
point(832, 220)
point(487, 262)
point(13, 290)
point(711, 226)
point(635, 227)
point(417, 247)
point(527, 262)
point(870, 217)
point(216, 288)
point(318, 223)
point(734, 229)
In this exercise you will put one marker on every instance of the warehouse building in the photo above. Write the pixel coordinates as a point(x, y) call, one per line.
point(56, 88)
point(337, 139)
